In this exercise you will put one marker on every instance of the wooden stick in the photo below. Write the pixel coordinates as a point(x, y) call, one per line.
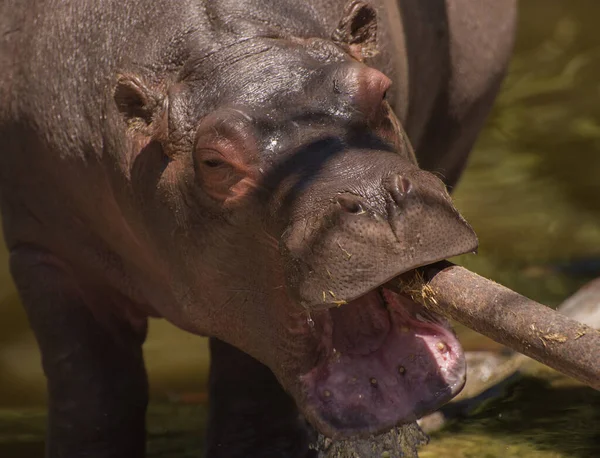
point(508, 318)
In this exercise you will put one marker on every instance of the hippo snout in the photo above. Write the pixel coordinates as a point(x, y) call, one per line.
point(354, 233)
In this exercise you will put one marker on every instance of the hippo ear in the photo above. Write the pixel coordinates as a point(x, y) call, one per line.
point(137, 102)
point(358, 29)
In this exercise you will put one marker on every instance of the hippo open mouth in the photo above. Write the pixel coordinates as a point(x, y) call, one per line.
point(381, 358)
point(384, 360)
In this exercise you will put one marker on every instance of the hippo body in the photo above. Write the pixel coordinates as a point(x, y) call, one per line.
point(244, 170)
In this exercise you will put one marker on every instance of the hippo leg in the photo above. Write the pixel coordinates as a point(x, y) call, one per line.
point(479, 48)
point(250, 414)
point(97, 383)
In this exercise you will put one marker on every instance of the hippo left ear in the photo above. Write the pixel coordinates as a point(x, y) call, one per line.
point(136, 101)
point(358, 29)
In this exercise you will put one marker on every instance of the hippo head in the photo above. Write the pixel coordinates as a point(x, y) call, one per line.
point(275, 192)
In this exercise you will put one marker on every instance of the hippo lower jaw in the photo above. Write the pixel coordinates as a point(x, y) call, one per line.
point(384, 361)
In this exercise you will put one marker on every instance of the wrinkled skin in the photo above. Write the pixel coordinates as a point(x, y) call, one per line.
point(243, 170)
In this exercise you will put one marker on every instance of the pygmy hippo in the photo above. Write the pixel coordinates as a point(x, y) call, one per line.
point(243, 169)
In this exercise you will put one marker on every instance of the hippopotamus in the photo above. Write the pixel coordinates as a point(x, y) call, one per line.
point(247, 171)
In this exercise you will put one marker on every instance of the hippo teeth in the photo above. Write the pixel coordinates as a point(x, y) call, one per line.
point(386, 361)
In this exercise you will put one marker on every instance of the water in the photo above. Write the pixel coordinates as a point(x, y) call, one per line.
point(531, 193)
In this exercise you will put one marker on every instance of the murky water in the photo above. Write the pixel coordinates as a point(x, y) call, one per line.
point(532, 193)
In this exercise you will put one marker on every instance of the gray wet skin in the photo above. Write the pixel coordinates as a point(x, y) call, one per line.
point(234, 166)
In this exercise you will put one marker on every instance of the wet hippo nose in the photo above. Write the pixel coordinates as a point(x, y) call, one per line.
point(399, 187)
point(355, 230)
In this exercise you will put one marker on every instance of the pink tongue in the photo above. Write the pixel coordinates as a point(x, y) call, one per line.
point(361, 326)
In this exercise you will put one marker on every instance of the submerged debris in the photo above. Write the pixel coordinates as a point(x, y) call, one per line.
point(400, 442)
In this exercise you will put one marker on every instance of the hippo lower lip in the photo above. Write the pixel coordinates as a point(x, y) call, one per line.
point(384, 361)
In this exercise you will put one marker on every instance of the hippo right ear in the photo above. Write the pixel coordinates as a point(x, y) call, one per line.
point(136, 101)
point(358, 29)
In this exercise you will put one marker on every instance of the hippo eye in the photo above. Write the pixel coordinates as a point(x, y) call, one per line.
point(213, 163)
point(350, 205)
point(384, 95)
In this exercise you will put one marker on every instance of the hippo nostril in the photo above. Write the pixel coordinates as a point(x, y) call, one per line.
point(399, 187)
point(350, 205)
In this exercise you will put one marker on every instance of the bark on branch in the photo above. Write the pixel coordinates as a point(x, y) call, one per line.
point(508, 318)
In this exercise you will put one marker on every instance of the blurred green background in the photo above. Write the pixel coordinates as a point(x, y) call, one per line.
point(531, 191)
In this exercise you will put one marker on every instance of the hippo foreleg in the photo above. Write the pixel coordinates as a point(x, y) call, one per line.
point(250, 413)
point(95, 372)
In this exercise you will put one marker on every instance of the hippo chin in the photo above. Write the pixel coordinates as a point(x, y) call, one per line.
point(242, 169)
